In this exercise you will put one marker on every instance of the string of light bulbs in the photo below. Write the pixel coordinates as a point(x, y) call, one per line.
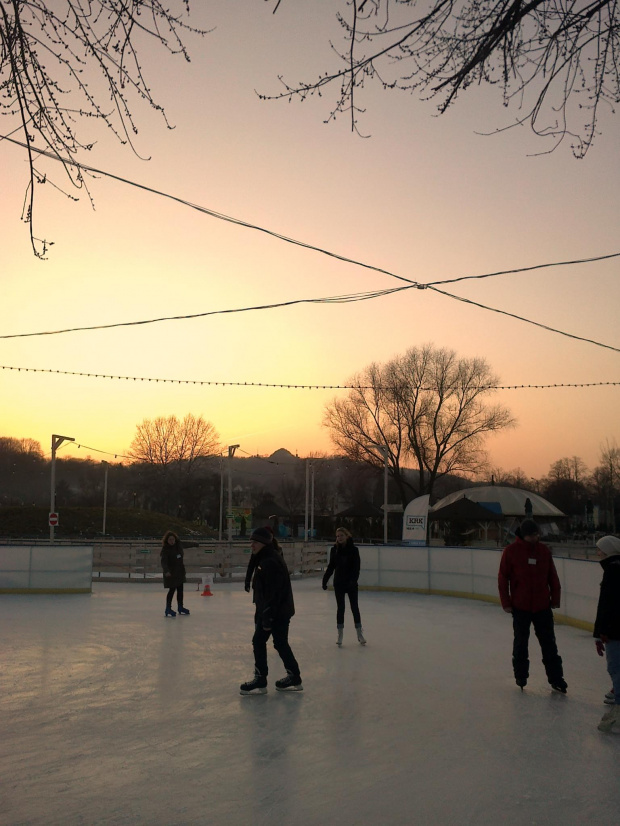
point(283, 386)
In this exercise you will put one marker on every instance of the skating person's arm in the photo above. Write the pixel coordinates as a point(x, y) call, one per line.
point(355, 570)
point(165, 562)
point(249, 572)
point(273, 583)
point(330, 568)
point(554, 583)
point(607, 622)
point(503, 582)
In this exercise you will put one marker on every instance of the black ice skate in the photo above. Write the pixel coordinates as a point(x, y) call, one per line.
point(289, 683)
point(256, 686)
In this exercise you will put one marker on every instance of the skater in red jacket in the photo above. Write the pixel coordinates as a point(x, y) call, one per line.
point(528, 589)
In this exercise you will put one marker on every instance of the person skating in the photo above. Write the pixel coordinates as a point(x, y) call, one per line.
point(529, 588)
point(344, 564)
point(273, 598)
point(252, 560)
point(173, 566)
point(607, 626)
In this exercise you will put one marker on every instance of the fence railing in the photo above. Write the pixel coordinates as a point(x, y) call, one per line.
point(140, 560)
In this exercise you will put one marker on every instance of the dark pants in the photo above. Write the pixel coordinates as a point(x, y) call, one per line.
point(543, 628)
point(340, 594)
point(170, 594)
point(280, 643)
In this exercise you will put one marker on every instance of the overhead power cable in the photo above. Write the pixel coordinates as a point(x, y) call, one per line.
point(336, 299)
point(527, 320)
point(219, 215)
point(283, 386)
point(279, 236)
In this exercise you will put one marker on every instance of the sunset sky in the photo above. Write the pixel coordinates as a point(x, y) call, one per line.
point(424, 197)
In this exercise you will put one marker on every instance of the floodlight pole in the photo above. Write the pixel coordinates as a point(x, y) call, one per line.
point(385, 495)
point(105, 495)
point(56, 442)
point(231, 453)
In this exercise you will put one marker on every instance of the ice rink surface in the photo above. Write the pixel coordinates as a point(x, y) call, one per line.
point(112, 714)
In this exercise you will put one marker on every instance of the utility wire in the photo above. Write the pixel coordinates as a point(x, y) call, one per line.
point(355, 297)
point(205, 210)
point(336, 299)
point(286, 386)
point(527, 320)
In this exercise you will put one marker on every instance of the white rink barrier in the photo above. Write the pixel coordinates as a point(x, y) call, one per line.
point(46, 569)
point(472, 573)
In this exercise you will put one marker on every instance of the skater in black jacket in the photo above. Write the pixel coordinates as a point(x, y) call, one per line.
point(173, 566)
point(273, 598)
point(344, 563)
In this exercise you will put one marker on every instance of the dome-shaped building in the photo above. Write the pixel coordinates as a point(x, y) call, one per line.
point(509, 506)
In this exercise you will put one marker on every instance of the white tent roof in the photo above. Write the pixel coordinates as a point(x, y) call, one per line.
point(511, 500)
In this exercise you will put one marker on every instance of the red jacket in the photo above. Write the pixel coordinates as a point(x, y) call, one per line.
point(528, 580)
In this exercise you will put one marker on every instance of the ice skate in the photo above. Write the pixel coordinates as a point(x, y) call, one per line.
point(256, 686)
point(610, 721)
point(559, 686)
point(610, 698)
point(289, 683)
point(360, 636)
point(340, 633)
point(183, 611)
point(170, 612)
point(521, 682)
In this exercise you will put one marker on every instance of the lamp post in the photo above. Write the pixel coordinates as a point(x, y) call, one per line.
point(221, 497)
point(385, 494)
point(56, 442)
point(105, 495)
point(231, 453)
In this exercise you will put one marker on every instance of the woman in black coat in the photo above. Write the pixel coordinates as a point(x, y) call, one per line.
point(344, 563)
point(174, 570)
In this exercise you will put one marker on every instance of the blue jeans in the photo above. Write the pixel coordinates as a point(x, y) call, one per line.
point(612, 652)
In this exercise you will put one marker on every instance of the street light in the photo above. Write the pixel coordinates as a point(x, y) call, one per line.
point(385, 494)
point(231, 453)
point(56, 442)
point(105, 495)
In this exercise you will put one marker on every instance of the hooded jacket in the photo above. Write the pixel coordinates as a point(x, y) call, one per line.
point(527, 579)
point(273, 595)
point(607, 620)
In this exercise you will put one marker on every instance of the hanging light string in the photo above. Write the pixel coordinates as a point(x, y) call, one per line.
point(432, 285)
point(283, 386)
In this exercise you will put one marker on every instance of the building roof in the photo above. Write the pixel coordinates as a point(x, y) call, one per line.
point(464, 509)
point(510, 500)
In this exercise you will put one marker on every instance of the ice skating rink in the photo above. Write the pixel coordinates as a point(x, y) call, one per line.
point(111, 714)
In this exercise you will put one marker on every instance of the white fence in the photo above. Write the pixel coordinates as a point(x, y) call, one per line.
point(472, 573)
point(52, 570)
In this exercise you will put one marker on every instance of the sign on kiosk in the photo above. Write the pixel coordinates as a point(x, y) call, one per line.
point(53, 520)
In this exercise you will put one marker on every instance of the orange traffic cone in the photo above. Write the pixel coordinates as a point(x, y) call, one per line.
point(206, 592)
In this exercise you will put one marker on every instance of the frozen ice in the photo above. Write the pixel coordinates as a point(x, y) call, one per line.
point(112, 714)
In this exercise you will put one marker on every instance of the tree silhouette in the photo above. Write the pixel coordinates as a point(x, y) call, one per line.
point(556, 62)
point(427, 407)
point(67, 61)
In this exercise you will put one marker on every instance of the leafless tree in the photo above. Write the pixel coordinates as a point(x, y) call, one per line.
point(165, 441)
point(427, 407)
point(607, 479)
point(557, 62)
point(66, 61)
